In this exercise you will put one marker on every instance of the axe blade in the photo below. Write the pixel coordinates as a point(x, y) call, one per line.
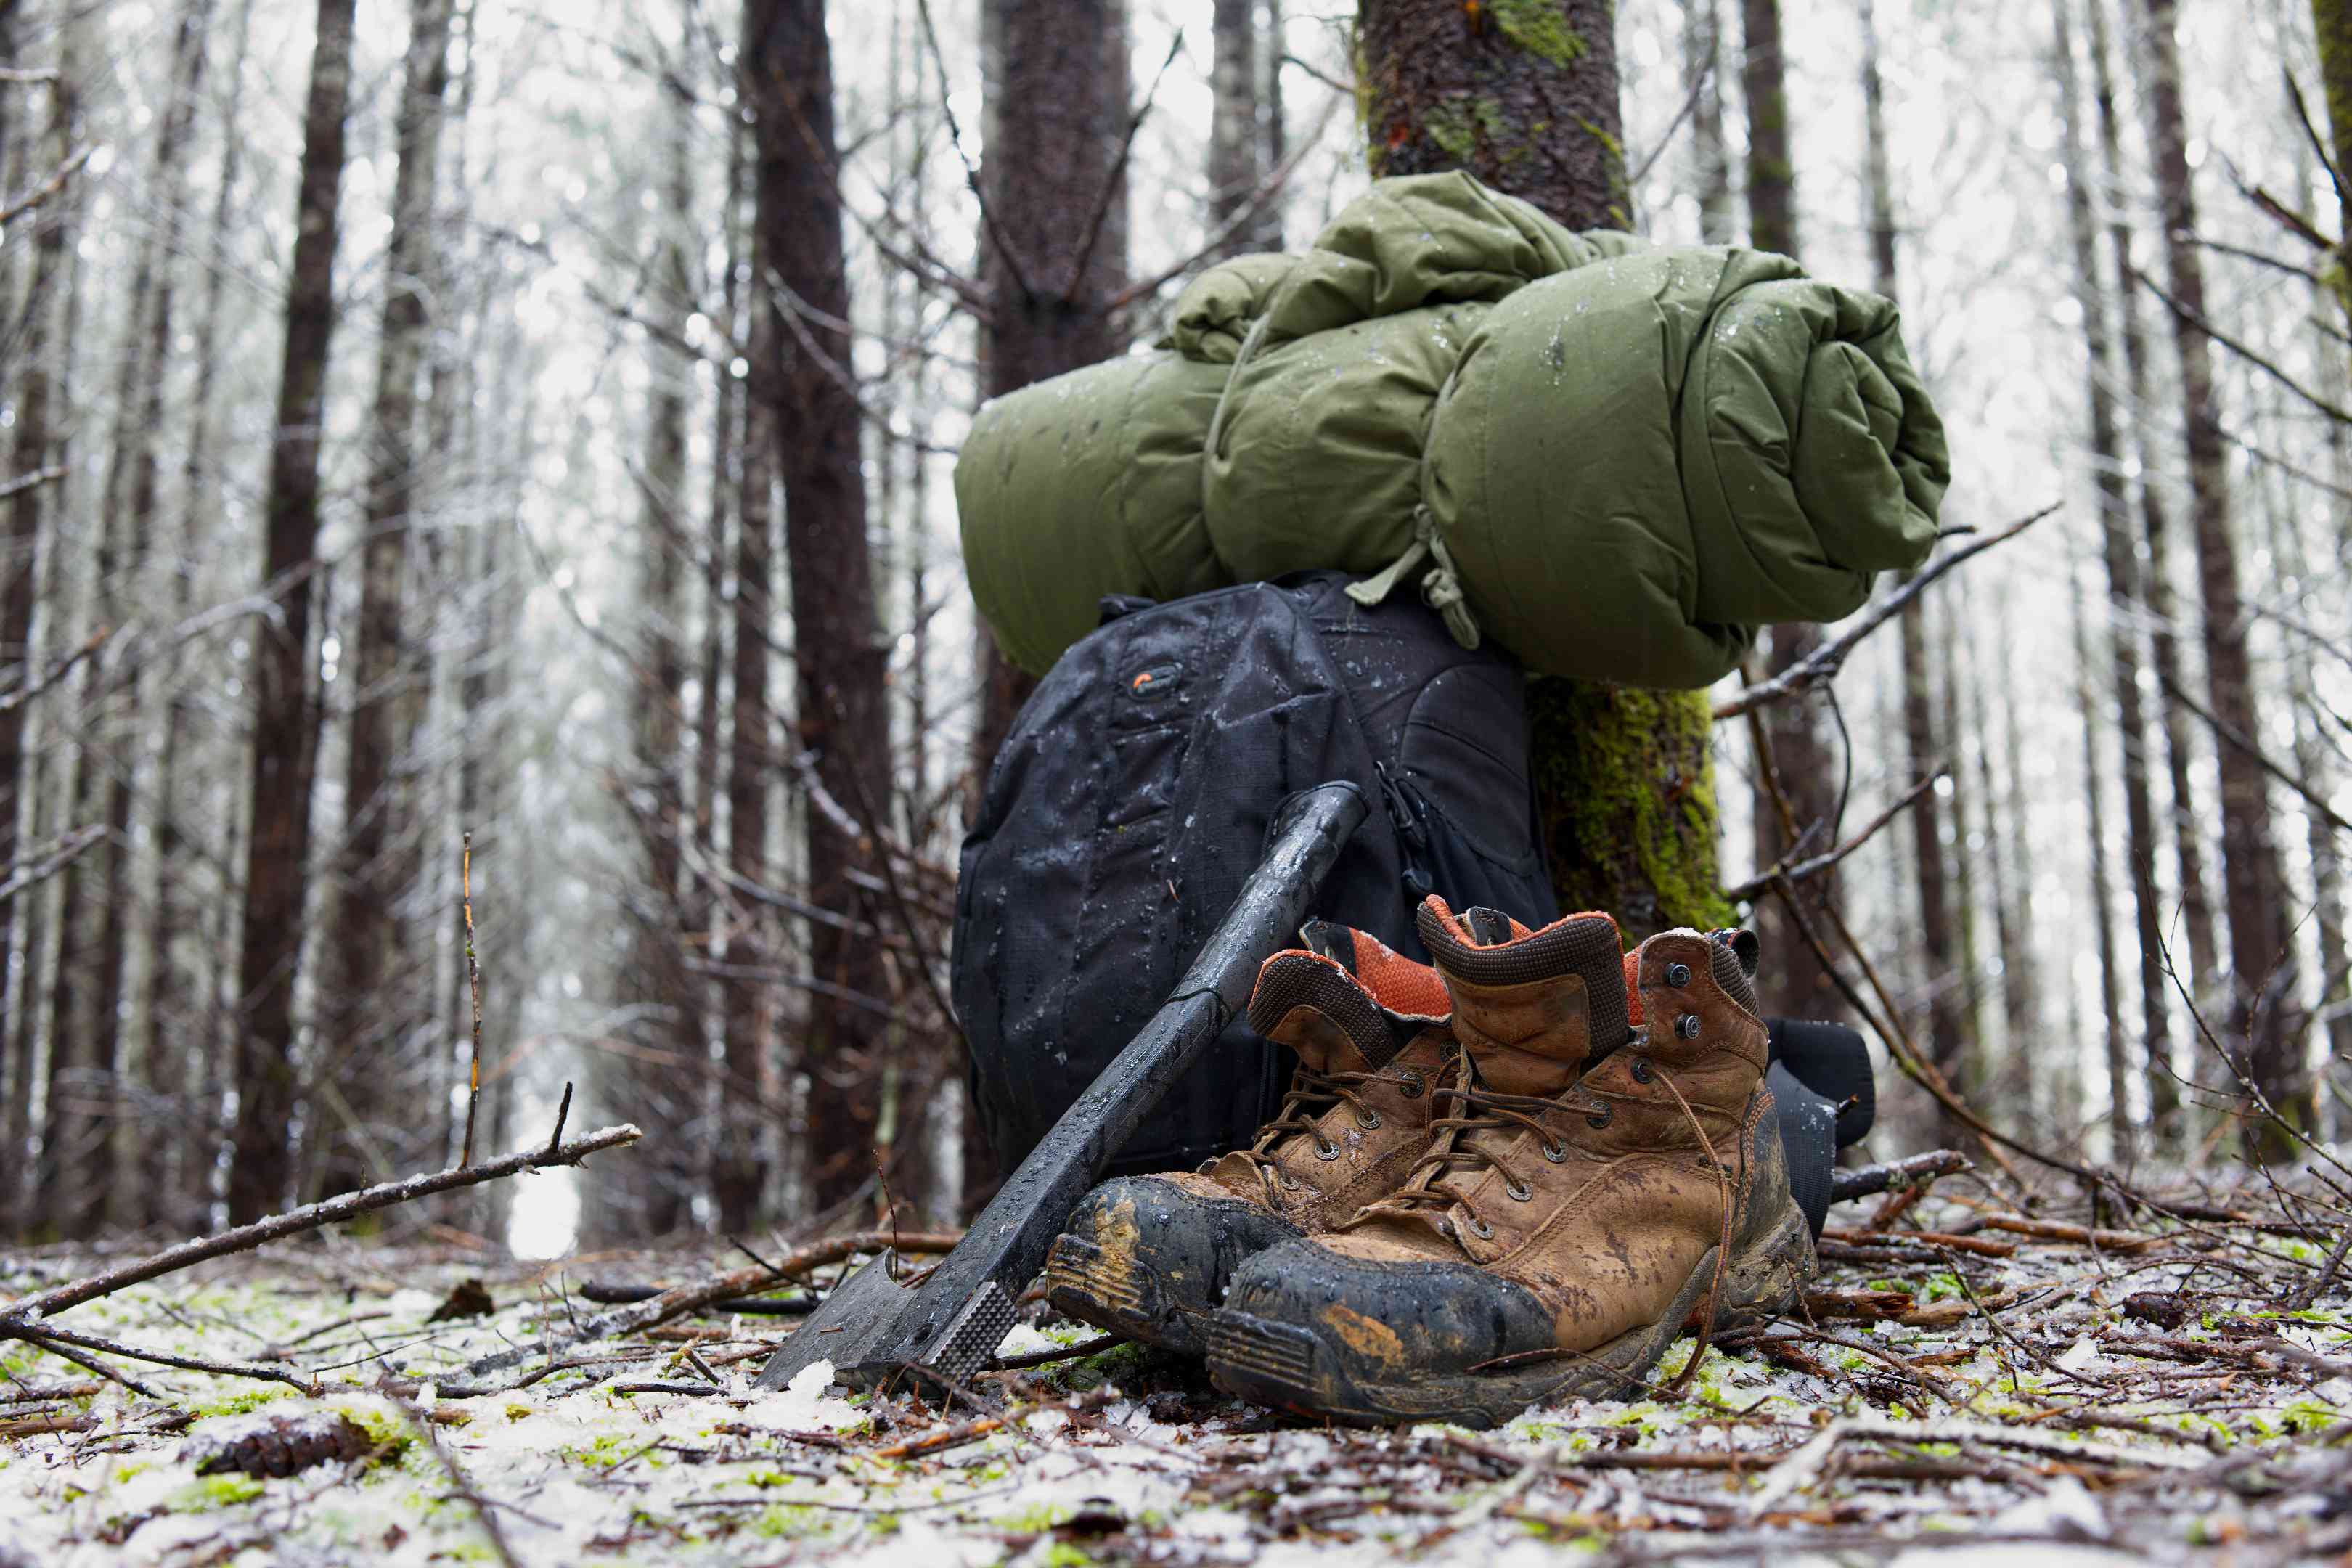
point(874, 1329)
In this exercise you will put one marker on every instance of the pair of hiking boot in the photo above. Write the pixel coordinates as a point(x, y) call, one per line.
point(1509, 1179)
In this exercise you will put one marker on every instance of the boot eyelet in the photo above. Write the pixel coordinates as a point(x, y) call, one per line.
point(1677, 974)
point(1642, 1072)
point(1554, 1153)
point(1601, 1118)
point(1414, 1084)
point(1518, 1191)
point(1327, 1151)
point(1687, 1026)
point(1370, 1121)
point(1290, 1183)
point(1481, 1230)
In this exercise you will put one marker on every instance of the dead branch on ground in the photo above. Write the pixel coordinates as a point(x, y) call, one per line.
point(296, 1222)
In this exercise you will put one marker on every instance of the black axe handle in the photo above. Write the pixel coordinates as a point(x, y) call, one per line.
point(872, 1329)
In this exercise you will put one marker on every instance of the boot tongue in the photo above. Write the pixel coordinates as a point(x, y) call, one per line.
point(1534, 1009)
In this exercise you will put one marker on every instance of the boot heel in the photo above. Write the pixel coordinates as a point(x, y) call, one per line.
point(1765, 1277)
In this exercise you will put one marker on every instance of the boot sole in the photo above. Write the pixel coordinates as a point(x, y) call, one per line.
point(1289, 1366)
point(1120, 1295)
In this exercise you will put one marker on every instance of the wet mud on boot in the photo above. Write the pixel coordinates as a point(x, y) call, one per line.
point(1569, 1220)
point(1149, 1257)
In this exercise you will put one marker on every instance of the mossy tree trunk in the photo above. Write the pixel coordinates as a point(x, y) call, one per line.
point(1523, 94)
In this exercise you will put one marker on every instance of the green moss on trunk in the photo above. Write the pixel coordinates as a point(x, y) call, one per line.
point(1625, 787)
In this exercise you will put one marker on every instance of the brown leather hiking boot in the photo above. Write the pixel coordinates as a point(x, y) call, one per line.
point(1571, 1215)
point(1149, 1257)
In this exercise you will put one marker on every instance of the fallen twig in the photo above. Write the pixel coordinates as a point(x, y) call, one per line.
point(48, 1421)
point(49, 1338)
point(607, 1293)
point(1929, 1238)
point(474, 988)
point(2080, 1234)
point(1915, 1171)
point(294, 1222)
point(460, 1481)
point(686, 1298)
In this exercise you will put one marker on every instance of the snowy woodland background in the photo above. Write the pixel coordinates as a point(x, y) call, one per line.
point(543, 438)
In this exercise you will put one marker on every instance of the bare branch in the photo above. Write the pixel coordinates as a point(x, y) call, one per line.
point(1666, 137)
point(2245, 743)
point(1804, 870)
point(53, 858)
point(49, 191)
point(1247, 215)
point(1003, 246)
point(1109, 195)
point(1826, 660)
point(2318, 142)
point(2243, 351)
point(26, 481)
point(57, 672)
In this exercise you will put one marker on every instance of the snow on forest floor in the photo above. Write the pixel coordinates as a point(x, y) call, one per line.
point(2087, 1403)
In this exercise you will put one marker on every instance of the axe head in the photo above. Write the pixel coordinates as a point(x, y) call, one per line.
point(875, 1330)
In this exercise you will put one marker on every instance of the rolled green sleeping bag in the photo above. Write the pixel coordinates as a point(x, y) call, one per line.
point(1089, 483)
point(1615, 461)
point(1638, 462)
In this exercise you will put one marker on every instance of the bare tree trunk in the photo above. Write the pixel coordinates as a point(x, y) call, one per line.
point(1527, 103)
point(131, 493)
point(669, 1081)
point(1968, 969)
point(2003, 871)
point(64, 1124)
point(1710, 164)
point(181, 1019)
point(1056, 189)
point(843, 716)
point(1235, 144)
point(1055, 185)
point(2164, 646)
point(1276, 134)
point(1771, 175)
point(1795, 983)
point(38, 444)
point(285, 734)
point(378, 864)
point(1947, 1043)
point(2020, 965)
point(2118, 551)
point(2102, 925)
point(2265, 1006)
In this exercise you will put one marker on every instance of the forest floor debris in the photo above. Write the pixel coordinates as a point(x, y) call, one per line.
point(2102, 1388)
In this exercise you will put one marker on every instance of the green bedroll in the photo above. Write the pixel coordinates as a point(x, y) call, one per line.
point(1616, 460)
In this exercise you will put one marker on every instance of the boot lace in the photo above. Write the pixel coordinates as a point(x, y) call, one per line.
point(1481, 1111)
point(1312, 1095)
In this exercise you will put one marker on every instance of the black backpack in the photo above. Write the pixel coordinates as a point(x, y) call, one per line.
point(1132, 798)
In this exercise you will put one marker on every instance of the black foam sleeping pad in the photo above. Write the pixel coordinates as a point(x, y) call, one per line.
point(1822, 1087)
